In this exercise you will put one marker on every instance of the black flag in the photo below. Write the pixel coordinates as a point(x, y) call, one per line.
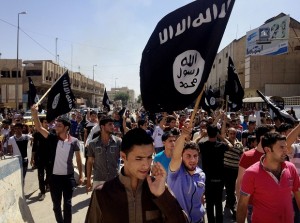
point(61, 98)
point(209, 100)
point(281, 113)
point(180, 52)
point(233, 88)
point(105, 101)
point(32, 93)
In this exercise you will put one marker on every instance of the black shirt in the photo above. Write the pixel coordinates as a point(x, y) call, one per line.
point(213, 159)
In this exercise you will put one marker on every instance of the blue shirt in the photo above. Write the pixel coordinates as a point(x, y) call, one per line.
point(163, 159)
point(188, 190)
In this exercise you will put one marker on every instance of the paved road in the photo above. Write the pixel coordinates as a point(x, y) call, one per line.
point(42, 210)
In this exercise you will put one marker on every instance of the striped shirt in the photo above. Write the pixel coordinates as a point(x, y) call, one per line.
point(232, 156)
point(295, 159)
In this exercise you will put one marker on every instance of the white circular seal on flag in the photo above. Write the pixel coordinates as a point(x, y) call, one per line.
point(187, 71)
point(212, 101)
point(55, 101)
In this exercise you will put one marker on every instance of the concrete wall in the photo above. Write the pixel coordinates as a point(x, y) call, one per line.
point(13, 207)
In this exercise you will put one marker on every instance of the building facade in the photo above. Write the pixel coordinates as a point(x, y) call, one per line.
point(43, 73)
point(273, 73)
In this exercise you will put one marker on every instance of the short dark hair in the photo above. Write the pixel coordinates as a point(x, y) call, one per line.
point(212, 131)
point(175, 131)
point(261, 130)
point(192, 146)
point(284, 127)
point(42, 119)
point(136, 136)
point(64, 121)
point(141, 122)
point(20, 125)
point(270, 138)
point(92, 112)
point(105, 119)
point(170, 118)
point(166, 135)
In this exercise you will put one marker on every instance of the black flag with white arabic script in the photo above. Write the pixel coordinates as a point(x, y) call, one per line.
point(32, 93)
point(179, 55)
point(60, 98)
point(233, 88)
point(105, 101)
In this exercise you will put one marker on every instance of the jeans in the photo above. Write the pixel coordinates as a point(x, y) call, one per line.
point(62, 185)
point(25, 167)
point(41, 176)
point(213, 195)
point(230, 176)
point(249, 213)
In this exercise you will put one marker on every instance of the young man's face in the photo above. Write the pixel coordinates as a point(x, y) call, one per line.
point(45, 124)
point(172, 124)
point(232, 134)
point(137, 162)
point(60, 128)
point(108, 128)
point(190, 159)
point(169, 144)
point(279, 151)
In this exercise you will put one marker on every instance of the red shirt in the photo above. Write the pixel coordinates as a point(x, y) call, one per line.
point(272, 199)
point(250, 157)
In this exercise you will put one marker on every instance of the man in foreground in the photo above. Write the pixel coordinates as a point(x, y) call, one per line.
point(62, 147)
point(270, 183)
point(129, 197)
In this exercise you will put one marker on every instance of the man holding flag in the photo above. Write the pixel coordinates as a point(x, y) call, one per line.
point(61, 147)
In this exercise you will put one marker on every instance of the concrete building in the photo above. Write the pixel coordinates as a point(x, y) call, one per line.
point(261, 64)
point(43, 73)
point(111, 94)
point(131, 102)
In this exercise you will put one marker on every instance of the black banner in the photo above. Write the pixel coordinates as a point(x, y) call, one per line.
point(233, 88)
point(61, 98)
point(179, 55)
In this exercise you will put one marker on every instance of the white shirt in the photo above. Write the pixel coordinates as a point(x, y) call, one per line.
point(157, 134)
point(95, 129)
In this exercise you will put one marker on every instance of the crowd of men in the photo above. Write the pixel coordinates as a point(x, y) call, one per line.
point(162, 167)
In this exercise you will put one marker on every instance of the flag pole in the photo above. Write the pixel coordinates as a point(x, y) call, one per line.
point(42, 98)
point(196, 106)
point(226, 104)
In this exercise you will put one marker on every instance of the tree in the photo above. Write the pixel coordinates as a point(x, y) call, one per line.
point(139, 100)
point(124, 97)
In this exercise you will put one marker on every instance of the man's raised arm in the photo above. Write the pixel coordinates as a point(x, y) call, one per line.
point(176, 157)
point(37, 123)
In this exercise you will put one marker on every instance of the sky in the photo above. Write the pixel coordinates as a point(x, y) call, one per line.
point(109, 33)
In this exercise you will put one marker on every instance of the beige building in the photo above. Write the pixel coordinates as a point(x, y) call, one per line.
point(111, 94)
point(43, 73)
point(273, 75)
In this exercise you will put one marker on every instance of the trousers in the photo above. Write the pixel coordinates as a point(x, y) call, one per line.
point(62, 186)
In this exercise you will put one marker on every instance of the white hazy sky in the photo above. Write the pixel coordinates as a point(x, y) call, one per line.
point(109, 33)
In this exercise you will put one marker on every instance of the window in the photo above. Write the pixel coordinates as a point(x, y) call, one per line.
point(14, 73)
point(226, 55)
point(30, 73)
point(220, 60)
point(5, 74)
point(214, 66)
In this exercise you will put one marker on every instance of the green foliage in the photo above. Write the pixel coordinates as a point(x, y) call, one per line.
point(139, 100)
point(124, 97)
